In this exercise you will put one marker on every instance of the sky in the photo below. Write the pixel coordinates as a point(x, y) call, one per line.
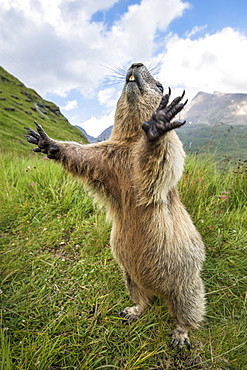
point(75, 52)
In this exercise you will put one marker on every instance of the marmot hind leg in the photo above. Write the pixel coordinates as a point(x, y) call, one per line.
point(139, 296)
point(187, 307)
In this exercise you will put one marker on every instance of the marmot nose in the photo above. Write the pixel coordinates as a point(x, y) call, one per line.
point(136, 65)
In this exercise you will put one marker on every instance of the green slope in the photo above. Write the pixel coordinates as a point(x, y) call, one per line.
point(224, 140)
point(20, 107)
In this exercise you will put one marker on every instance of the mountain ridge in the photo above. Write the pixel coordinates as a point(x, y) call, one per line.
point(218, 107)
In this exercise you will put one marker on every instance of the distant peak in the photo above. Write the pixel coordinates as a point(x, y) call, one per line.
point(218, 93)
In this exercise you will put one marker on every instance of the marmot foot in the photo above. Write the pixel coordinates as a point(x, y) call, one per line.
point(131, 313)
point(179, 338)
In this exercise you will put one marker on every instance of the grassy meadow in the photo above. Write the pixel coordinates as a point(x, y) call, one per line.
point(61, 289)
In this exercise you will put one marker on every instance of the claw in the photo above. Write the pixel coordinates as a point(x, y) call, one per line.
point(188, 345)
point(165, 100)
point(130, 314)
point(175, 102)
point(32, 133)
point(179, 338)
point(41, 131)
point(31, 139)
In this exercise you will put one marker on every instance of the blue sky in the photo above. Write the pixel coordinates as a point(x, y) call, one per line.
point(64, 49)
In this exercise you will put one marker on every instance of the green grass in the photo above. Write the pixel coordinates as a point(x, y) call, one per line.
point(61, 289)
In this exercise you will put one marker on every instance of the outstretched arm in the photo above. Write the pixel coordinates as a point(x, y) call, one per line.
point(160, 153)
point(89, 162)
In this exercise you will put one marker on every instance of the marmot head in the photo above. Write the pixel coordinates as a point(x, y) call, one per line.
point(141, 96)
point(140, 84)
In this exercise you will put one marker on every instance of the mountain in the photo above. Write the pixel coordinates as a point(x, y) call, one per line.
point(90, 139)
point(105, 134)
point(20, 107)
point(217, 108)
point(102, 137)
point(216, 123)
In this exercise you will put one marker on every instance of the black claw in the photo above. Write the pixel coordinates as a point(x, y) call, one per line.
point(188, 345)
point(146, 126)
point(31, 139)
point(38, 125)
point(32, 133)
point(125, 322)
point(41, 131)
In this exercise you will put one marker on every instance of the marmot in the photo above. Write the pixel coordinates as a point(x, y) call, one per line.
point(135, 174)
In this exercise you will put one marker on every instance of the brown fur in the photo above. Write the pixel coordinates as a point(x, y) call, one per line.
point(153, 238)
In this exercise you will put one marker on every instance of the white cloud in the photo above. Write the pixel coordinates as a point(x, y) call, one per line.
point(54, 47)
point(107, 97)
point(195, 30)
point(94, 126)
point(214, 62)
point(71, 104)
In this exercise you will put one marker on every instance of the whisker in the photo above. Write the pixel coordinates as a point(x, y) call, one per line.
point(114, 68)
point(155, 70)
point(109, 83)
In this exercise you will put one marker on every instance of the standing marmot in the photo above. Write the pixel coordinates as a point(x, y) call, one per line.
point(135, 174)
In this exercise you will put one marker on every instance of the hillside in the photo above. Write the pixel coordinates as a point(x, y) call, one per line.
point(20, 107)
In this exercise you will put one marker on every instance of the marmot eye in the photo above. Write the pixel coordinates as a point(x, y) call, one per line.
point(160, 87)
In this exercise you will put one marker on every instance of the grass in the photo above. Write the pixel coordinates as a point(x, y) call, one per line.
point(62, 290)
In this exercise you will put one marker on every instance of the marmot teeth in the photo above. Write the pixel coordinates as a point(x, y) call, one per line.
point(132, 78)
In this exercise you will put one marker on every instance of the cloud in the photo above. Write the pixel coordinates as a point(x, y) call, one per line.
point(71, 104)
point(54, 47)
point(195, 30)
point(213, 62)
point(95, 126)
point(107, 97)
